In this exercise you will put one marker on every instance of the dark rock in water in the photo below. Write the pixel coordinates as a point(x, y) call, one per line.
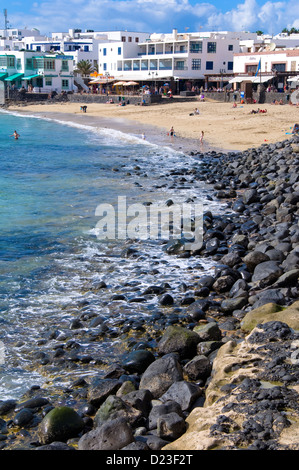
point(158, 377)
point(138, 361)
point(166, 300)
point(37, 402)
point(112, 435)
point(179, 340)
point(6, 406)
point(287, 279)
point(60, 424)
point(23, 417)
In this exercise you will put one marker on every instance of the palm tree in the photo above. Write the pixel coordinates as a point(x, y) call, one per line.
point(84, 68)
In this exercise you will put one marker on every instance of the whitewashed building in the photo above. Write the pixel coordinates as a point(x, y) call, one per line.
point(204, 56)
point(267, 66)
point(37, 72)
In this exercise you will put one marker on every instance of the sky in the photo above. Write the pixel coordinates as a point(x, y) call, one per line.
point(152, 16)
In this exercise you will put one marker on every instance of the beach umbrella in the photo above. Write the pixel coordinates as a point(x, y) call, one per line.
point(132, 83)
point(119, 84)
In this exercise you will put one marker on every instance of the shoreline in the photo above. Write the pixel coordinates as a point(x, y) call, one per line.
point(256, 264)
point(225, 128)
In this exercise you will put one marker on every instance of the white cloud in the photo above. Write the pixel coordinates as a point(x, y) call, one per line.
point(153, 16)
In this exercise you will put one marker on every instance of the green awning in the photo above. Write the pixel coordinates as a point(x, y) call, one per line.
point(13, 77)
point(32, 76)
point(3, 75)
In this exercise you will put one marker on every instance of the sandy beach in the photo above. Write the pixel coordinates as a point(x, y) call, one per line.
point(224, 127)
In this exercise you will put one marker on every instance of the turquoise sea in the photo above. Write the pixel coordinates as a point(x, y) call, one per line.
point(51, 181)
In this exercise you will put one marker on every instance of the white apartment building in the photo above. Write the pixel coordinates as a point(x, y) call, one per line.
point(205, 56)
point(36, 72)
point(275, 67)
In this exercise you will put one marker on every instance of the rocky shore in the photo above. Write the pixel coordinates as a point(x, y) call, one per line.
point(220, 374)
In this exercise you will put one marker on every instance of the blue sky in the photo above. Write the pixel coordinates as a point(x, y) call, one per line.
point(152, 15)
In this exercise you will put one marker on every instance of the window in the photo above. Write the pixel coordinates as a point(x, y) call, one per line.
point(65, 84)
point(64, 65)
point(49, 64)
point(230, 66)
point(279, 67)
point(195, 47)
point(211, 47)
point(104, 51)
point(136, 39)
point(48, 81)
point(38, 48)
point(29, 64)
point(209, 65)
point(230, 47)
point(86, 48)
point(123, 38)
point(119, 50)
point(19, 64)
point(130, 39)
point(10, 61)
point(251, 68)
point(105, 67)
point(196, 64)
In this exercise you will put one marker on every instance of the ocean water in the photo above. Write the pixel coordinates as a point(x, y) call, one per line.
point(51, 181)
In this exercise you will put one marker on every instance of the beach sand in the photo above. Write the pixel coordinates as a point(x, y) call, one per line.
point(224, 127)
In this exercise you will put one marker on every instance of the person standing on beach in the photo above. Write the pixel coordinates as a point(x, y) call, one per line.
point(171, 132)
point(201, 137)
point(15, 135)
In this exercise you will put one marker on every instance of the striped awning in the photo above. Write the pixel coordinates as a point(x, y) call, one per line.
point(3, 75)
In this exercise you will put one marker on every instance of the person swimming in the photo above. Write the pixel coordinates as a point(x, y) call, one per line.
point(15, 135)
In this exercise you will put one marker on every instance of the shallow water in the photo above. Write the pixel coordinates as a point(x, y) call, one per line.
point(52, 179)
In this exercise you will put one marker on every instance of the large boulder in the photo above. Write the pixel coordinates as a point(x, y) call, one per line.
point(60, 424)
point(269, 312)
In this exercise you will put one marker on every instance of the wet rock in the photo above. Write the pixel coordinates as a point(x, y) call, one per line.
point(60, 424)
point(138, 361)
point(6, 406)
point(23, 417)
